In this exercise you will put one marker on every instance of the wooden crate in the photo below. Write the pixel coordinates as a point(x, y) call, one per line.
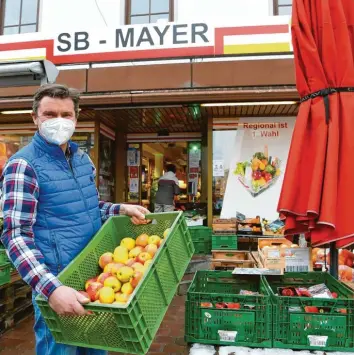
point(224, 229)
point(230, 259)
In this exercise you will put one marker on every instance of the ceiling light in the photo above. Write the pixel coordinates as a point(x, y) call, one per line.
point(259, 103)
point(15, 112)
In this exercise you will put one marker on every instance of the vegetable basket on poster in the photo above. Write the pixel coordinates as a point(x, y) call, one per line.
point(260, 173)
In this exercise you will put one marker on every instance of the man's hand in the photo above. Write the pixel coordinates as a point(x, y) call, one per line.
point(66, 301)
point(137, 213)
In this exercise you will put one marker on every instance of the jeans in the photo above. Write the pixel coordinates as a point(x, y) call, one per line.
point(164, 208)
point(45, 343)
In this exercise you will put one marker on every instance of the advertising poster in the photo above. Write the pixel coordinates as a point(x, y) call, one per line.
point(259, 153)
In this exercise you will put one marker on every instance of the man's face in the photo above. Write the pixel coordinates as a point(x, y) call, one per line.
point(50, 108)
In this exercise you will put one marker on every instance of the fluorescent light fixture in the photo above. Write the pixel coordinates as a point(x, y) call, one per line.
point(18, 112)
point(258, 103)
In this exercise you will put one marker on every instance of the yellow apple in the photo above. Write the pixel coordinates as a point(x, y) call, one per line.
point(129, 243)
point(113, 283)
point(106, 295)
point(125, 273)
point(127, 289)
point(154, 239)
point(135, 252)
point(121, 254)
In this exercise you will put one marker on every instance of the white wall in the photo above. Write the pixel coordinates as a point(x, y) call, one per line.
point(213, 10)
point(60, 15)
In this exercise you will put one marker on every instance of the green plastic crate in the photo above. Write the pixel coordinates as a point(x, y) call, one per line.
point(224, 242)
point(3, 256)
point(130, 328)
point(5, 274)
point(252, 322)
point(292, 327)
point(201, 237)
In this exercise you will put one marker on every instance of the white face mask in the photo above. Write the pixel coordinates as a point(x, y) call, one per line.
point(57, 130)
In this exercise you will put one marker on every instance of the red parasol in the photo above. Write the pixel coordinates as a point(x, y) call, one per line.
point(318, 189)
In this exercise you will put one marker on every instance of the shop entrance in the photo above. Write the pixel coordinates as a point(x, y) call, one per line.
point(147, 163)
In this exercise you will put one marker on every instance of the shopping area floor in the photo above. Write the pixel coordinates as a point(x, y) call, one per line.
point(169, 339)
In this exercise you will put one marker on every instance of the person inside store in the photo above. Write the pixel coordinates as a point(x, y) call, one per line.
point(51, 209)
point(168, 189)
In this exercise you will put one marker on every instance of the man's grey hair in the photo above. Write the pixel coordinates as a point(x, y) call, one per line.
point(56, 91)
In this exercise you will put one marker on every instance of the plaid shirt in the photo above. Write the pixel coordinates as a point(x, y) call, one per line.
point(20, 191)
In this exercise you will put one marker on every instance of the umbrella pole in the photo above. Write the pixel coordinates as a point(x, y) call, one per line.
point(333, 268)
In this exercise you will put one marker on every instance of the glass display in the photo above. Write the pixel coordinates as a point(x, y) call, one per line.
point(106, 169)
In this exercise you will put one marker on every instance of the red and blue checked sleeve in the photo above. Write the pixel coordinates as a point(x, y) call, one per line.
point(20, 192)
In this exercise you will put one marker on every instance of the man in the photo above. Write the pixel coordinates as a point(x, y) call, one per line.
point(168, 188)
point(51, 209)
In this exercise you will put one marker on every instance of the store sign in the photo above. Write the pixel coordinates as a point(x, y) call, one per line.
point(270, 35)
point(256, 165)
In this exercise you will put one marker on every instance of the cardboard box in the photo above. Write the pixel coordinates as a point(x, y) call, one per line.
point(284, 259)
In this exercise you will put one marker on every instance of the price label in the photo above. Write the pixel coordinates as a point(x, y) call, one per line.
point(227, 335)
point(318, 340)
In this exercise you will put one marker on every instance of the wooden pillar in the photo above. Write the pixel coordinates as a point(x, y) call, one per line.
point(210, 171)
point(121, 167)
point(96, 149)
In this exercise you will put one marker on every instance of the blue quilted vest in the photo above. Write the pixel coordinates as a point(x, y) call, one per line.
point(68, 214)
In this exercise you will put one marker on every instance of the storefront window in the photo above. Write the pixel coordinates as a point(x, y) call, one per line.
point(249, 162)
point(106, 170)
point(10, 144)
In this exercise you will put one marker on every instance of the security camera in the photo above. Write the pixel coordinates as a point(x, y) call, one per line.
point(27, 73)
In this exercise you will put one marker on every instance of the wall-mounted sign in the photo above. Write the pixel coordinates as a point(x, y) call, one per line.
point(270, 35)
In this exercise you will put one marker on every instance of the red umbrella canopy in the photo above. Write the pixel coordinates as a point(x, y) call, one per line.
point(318, 188)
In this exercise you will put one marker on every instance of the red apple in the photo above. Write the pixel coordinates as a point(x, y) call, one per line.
point(93, 291)
point(151, 249)
point(130, 262)
point(105, 259)
point(102, 277)
point(142, 240)
point(88, 282)
point(137, 276)
point(142, 257)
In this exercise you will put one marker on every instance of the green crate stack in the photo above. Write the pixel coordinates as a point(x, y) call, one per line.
point(224, 242)
point(201, 237)
point(129, 328)
point(5, 273)
point(293, 328)
point(252, 322)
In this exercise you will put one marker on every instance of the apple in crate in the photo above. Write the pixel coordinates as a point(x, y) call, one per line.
point(106, 295)
point(127, 288)
point(102, 277)
point(113, 283)
point(130, 262)
point(129, 243)
point(94, 290)
point(142, 240)
point(135, 252)
point(151, 249)
point(166, 232)
point(143, 257)
point(138, 267)
point(125, 273)
point(154, 239)
point(90, 281)
point(137, 276)
point(121, 254)
point(105, 259)
point(121, 298)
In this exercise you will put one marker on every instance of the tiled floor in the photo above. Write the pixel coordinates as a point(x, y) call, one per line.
point(169, 339)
